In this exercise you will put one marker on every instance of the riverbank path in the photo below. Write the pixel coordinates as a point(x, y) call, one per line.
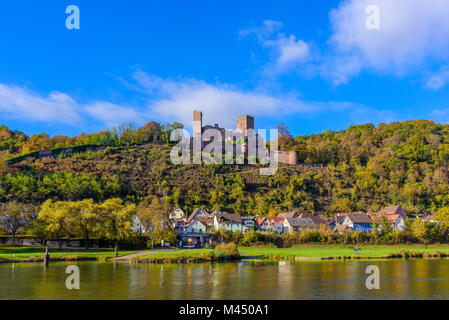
point(138, 254)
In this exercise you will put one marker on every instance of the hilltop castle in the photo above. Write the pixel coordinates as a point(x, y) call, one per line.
point(245, 124)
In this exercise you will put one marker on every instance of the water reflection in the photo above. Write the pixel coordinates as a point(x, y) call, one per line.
point(400, 279)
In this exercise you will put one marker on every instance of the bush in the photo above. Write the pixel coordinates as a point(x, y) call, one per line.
point(227, 250)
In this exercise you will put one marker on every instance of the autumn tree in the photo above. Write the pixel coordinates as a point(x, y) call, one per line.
point(15, 216)
point(419, 229)
point(87, 218)
point(116, 220)
point(149, 132)
point(442, 216)
point(58, 219)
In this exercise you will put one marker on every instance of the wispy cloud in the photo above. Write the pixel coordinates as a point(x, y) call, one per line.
point(412, 39)
point(29, 106)
point(168, 100)
point(439, 79)
point(286, 51)
point(406, 43)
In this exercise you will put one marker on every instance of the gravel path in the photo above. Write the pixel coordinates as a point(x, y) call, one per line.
point(134, 255)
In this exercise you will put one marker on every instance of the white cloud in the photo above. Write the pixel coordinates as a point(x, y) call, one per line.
point(286, 51)
point(439, 79)
point(27, 105)
point(113, 114)
point(174, 100)
point(289, 50)
point(171, 100)
point(263, 32)
point(412, 39)
point(412, 35)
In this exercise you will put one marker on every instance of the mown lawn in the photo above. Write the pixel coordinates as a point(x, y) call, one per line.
point(27, 252)
point(325, 251)
point(179, 253)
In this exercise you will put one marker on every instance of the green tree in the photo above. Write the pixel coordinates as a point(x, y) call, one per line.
point(116, 220)
point(14, 217)
point(442, 216)
point(419, 229)
point(58, 219)
point(86, 215)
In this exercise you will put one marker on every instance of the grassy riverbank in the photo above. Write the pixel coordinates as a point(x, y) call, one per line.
point(342, 252)
point(220, 253)
point(36, 254)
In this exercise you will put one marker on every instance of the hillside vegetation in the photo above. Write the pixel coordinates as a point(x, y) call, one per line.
point(366, 167)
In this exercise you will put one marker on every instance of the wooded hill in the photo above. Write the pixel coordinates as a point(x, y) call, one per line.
point(366, 167)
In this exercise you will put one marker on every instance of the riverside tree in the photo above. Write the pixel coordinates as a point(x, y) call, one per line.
point(58, 219)
point(15, 216)
point(87, 219)
point(116, 220)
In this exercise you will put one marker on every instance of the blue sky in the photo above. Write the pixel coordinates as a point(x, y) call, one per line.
point(312, 66)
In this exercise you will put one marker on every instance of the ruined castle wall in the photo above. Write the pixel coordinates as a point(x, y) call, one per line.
point(288, 157)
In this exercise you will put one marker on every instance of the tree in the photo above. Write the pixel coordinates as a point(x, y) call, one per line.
point(3, 165)
point(168, 128)
point(116, 220)
point(157, 217)
point(15, 216)
point(375, 231)
point(58, 219)
point(149, 132)
point(442, 216)
point(419, 229)
point(145, 217)
point(87, 218)
point(386, 226)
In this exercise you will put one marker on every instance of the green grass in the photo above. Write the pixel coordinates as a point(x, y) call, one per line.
point(32, 253)
point(326, 251)
point(187, 256)
point(182, 253)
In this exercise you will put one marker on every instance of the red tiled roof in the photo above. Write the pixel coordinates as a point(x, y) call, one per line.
point(276, 219)
point(260, 220)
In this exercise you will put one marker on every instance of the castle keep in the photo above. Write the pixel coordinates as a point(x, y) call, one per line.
point(244, 123)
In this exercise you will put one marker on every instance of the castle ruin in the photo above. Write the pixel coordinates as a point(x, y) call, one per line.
point(245, 124)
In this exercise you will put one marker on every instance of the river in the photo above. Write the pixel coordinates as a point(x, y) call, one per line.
point(399, 279)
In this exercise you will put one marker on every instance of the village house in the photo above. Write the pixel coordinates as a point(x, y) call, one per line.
point(195, 226)
point(208, 222)
point(177, 214)
point(358, 222)
point(336, 221)
point(298, 224)
point(393, 210)
point(230, 222)
point(429, 219)
point(198, 212)
point(290, 214)
point(179, 226)
point(342, 229)
point(248, 224)
point(396, 221)
point(268, 225)
point(317, 219)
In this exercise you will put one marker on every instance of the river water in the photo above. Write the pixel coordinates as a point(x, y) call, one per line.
point(399, 279)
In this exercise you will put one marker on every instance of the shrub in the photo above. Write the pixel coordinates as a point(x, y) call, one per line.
point(227, 250)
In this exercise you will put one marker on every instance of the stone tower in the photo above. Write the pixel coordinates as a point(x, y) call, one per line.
point(197, 124)
point(244, 123)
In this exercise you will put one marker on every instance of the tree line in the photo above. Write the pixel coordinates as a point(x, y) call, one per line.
point(112, 220)
point(15, 143)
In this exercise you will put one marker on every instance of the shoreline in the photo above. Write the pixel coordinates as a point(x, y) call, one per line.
point(186, 256)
